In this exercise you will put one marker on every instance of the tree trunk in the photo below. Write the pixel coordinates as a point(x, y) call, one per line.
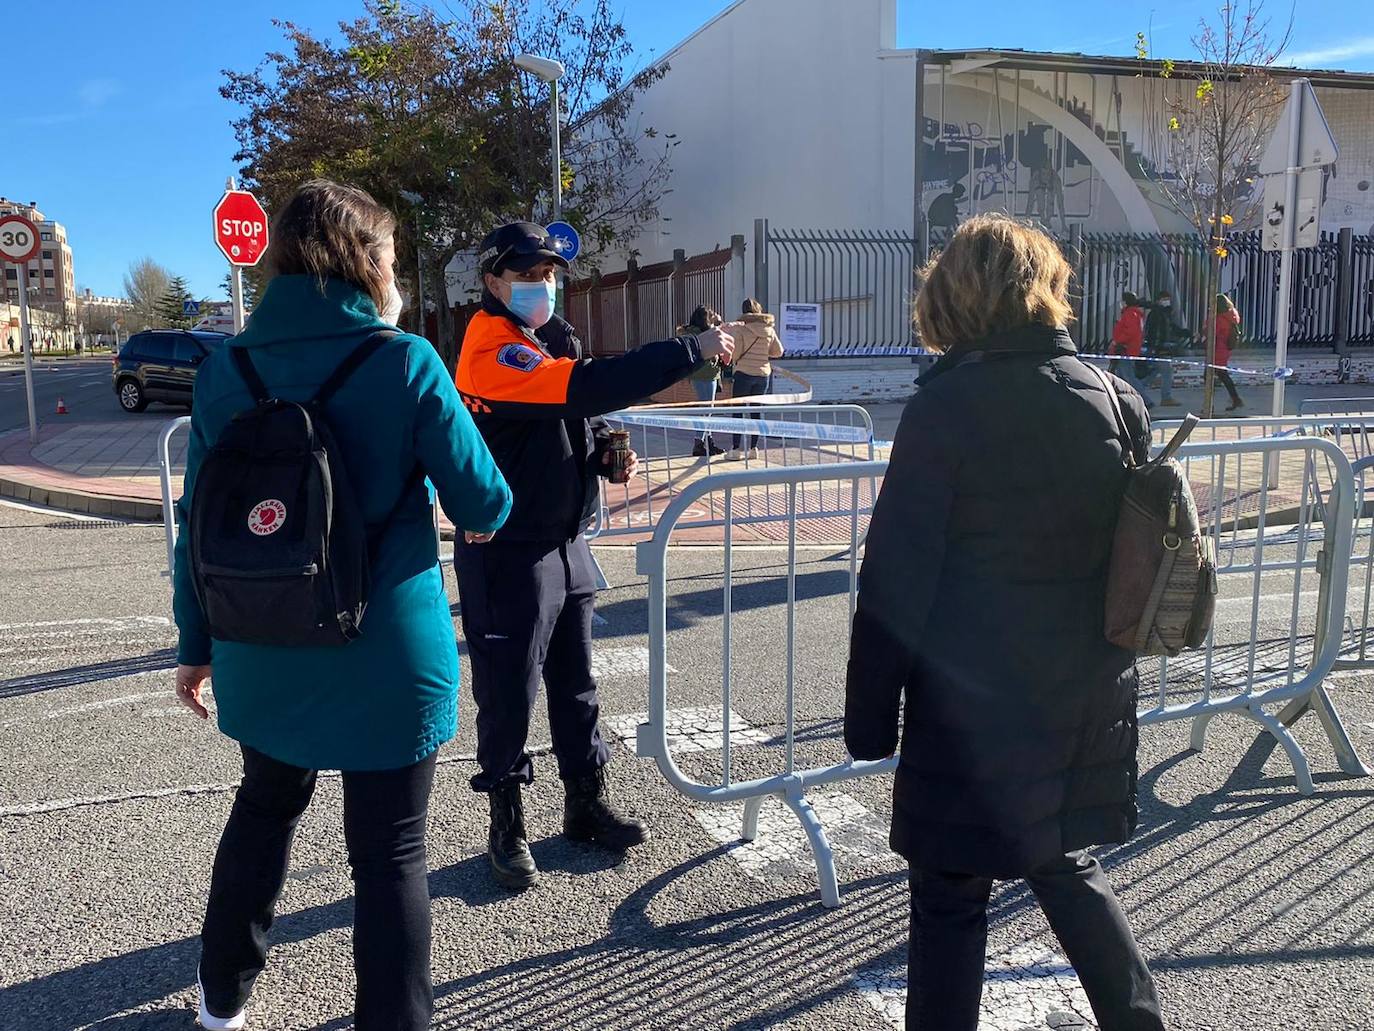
point(1209, 324)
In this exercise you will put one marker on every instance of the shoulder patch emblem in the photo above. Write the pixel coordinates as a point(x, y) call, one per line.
point(519, 357)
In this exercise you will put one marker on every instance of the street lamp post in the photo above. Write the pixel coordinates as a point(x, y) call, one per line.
point(550, 71)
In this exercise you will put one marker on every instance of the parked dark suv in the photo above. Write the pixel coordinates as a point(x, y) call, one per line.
point(160, 365)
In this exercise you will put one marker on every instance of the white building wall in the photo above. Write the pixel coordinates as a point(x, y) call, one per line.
point(785, 110)
point(801, 111)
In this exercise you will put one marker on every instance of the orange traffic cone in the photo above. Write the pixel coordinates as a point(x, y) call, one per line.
point(61, 407)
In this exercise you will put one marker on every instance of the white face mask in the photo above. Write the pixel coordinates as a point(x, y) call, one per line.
point(391, 311)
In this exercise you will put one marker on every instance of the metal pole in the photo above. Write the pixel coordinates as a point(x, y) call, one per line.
point(26, 342)
point(1290, 203)
point(236, 281)
point(419, 279)
point(919, 240)
point(557, 164)
point(557, 151)
point(235, 277)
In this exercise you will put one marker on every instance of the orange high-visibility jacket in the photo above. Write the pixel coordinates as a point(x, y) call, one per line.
point(536, 400)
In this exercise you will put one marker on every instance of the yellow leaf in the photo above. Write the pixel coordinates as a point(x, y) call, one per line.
point(1173, 125)
point(1227, 220)
point(1221, 252)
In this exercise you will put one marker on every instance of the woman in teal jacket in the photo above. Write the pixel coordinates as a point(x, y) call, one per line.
point(379, 707)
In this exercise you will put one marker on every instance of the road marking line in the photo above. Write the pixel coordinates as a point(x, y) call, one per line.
point(1020, 989)
point(690, 730)
point(121, 622)
point(60, 804)
point(108, 703)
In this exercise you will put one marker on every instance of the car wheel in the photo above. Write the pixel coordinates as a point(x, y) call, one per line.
point(131, 397)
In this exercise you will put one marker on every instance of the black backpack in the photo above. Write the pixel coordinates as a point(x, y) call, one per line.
point(278, 549)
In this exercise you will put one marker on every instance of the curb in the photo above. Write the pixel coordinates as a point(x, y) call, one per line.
point(82, 502)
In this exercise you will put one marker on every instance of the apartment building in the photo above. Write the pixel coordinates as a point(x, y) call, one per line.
point(52, 284)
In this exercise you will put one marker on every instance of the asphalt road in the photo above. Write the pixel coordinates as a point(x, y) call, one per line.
point(1254, 905)
point(83, 383)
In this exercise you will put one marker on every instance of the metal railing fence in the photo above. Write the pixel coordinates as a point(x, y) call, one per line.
point(1279, 637)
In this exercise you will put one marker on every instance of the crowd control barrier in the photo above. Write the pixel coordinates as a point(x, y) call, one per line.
point(1276, 638)
point(1342, 422)
point(792, 436)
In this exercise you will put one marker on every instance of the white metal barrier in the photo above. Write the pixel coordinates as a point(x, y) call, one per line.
point(1339, 421)
point(793, 436)
point(164, 465)
point(1273, 655)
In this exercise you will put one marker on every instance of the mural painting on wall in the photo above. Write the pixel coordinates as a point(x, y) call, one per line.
point(1031, 172)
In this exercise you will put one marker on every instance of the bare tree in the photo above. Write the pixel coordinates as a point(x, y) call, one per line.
point(145, 285)
point(1219, 115)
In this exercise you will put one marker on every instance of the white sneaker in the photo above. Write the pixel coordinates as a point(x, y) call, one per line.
point(735, 456)
point(753, 454)
point(212, 1023)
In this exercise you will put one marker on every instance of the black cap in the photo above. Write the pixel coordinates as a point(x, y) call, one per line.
point(518, 246)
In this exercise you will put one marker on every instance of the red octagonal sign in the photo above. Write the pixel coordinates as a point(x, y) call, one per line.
point(240, 228)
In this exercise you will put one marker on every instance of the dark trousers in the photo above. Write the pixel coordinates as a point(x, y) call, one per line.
point(748, 386)
point(527, 614)
point(949, 932)
point(1223, 377)
point(384, 826)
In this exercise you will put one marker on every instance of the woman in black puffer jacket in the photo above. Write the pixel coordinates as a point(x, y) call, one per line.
point(981, 601)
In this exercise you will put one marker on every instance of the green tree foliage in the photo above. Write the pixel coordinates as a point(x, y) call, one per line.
point(414, 100)
point(170, 307)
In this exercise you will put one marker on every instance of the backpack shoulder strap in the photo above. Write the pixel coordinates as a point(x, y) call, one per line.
point(351, 364)
point(1127, 445)
point(244, 362)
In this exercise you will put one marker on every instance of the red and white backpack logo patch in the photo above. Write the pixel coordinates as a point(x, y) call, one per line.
point(267, 517)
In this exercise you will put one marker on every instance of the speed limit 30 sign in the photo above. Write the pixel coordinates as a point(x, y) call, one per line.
point(18, 239)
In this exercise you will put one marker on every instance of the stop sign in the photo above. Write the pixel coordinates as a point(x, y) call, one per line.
point(240, 228)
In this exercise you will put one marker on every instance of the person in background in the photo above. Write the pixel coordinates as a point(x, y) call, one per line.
point(1128, 336)
point(1018, 747)
point(705, 380)
point(942, 217)
point(1228, 333)
point(1162, 333)
point(527, 598)
point(756, 345)
point(379, 707)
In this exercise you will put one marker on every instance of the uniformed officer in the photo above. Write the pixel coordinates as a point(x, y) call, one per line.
point(527, 595)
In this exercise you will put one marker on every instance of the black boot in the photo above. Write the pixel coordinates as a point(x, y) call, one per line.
point(507, 848)
point(589, 816)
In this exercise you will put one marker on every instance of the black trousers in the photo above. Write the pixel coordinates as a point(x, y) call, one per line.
point(527, 615)
point(748, 386)
point(1223, 377)
point(949, 933)
point(384, 825)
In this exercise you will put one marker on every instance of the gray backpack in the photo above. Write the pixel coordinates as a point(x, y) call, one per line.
point(1162, 580)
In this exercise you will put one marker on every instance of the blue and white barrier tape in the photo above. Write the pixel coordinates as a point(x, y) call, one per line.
point(747, 424)
point(1283, 372)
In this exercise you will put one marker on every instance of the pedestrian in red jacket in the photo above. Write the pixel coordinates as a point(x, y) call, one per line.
point(1128, 339)
point(1228, 335)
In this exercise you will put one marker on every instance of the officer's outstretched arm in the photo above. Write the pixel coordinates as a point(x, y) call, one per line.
point(520, 380)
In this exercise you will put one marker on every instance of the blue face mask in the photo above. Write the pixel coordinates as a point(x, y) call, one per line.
point(532, 303)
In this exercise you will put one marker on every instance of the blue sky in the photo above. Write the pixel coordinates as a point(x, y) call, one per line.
point(113, 123)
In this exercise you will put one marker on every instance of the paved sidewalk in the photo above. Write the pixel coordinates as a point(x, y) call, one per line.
point(99, 468)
